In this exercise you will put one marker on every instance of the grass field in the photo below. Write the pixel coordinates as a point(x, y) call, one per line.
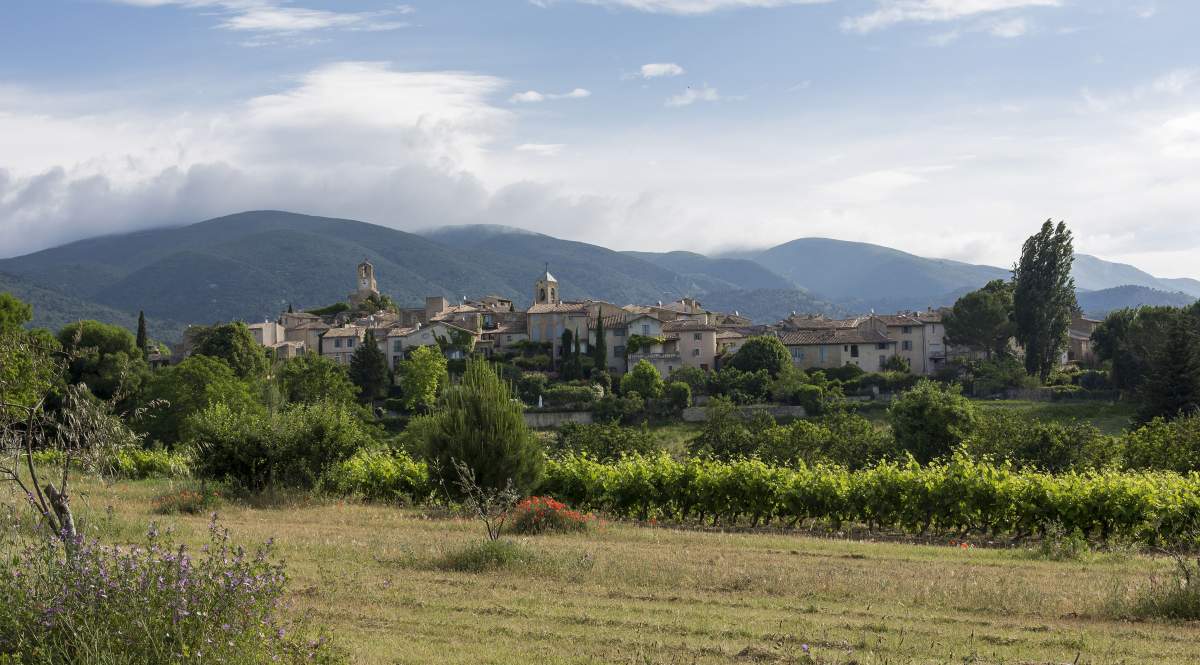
point(630, 594)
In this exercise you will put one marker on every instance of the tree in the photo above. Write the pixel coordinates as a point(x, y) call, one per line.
point(13, 312)
point(422, 378)
point(369, 370)
point(600, 350)
point(982, 320)
point(103, 356)
point(311, 378)
point(644, 380)
point(234, 344)
point(483, 427)
point(1172, 388)
point(143, 341)
point(930, 420)
point(1129, 339)
point(1044, 297)
point(177, 392)
point(762, 352)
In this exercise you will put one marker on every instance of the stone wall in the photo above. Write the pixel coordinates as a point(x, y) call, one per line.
point(554, 419)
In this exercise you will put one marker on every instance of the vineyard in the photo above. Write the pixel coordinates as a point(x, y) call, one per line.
point(959, 496)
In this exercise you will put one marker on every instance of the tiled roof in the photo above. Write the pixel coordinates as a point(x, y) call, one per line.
point(832, 336)
point(686, 324)
point(347, 331)
point(559, 308)
point(613, 321)
point(899, 319)
point(730, 334)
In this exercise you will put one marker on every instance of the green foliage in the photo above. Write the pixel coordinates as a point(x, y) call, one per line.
point(626, 408)
point(1173, 386)
point(764, 352)
point(1053, 446)
point(331, 310)
point(898, 365)
point(696, 378)
point(983, 320)
point(600, 348)
point(531, 386)
point(105, 357)
point(27, 369)
point(234, 344)
point(313, 378)
point(539, 362)
point(637, 343)
point(1044, 296)
point(151, 602)
point(143, 339)
point(1174, 596)
point(727, 434)
point(379, 475)
point(741, 387)
point(538, 515)
point(957, 496)
point(188, 388)
point(485, 556)
point(13, 313)
point(292, 448)
point(813, 392)
point(575, 397)
point(202, 499)
point(455, 341)
point(679, 394)
point(1168, 445)
point(644, 380)
point(482, 426)
point(369, 370)
point(840, 438)
point(423, 377)
point(1129, 339)
point(985, 378)
point(931, 420)
point(603, 441)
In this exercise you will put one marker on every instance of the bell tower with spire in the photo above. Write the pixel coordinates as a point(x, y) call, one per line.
point(366, 283)
point(545, 291)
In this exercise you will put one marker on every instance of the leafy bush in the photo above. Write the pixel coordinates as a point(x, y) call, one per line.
point(1047, 445)
point(840, 438)
point(696, 378)
point(539, 514)
point(845, 373)
point(931, 420)
point(626, 408)
point(152, 603)
point(540, 362)
point(741, 387)
point(200, 500)
point(576, 397)
point(1169, 445)
point(531, 386)
point(679, 394)
point(291, 448)
point(130, 462)
point(378, 475)
point(603, 441)
point(644, 380)
point(727, 434)
point(762, 353)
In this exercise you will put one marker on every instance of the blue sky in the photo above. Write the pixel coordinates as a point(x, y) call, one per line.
point(942, 127)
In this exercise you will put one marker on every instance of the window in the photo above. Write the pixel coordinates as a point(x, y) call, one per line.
point(618, 332)
point(646, 329)
point(853, 350)
point(882, 362)
point(397, 346)
point(618, 350)
point(337, 343)
point(542, 294)
point(907, 330)
point(704, 366)
point(906, 345)
point(350, 343)
point(697, 336)
point(820, 353)
point(695, 352)
point(882, 346)
point(797, 354)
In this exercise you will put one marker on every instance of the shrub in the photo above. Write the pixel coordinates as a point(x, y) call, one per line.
point(644, 380)
point(696, 378)
point(764, 352)
point(141, 463)
point(486, 556)
point(679, 394)
point(626, 408)
point(931, 420)
point(377, 475)
point(741, 387)
point(199, 500)
point(603, 441)
point(152, 603)
point(727, 434)
point(844, 373)
point(840, 438)
point(531, 386)
point(577, 397)
point(539, 514)
point(540, 362)
point(483, 427)
point(1169, 445)
point(1048, 445)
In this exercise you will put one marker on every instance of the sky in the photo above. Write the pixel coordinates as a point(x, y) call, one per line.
point(945, 128)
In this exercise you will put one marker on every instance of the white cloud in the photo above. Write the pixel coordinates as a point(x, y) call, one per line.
point(541, 149)
point(276, 16)
point(893, 12)
point(693, 95)
point(687, 7)
point(534, 97)
point(1176, 82)
point(661, 69)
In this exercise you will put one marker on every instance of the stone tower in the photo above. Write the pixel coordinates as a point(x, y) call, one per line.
point(545, 291)
point(366, 283)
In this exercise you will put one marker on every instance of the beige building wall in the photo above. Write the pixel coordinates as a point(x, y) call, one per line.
point(698, 348)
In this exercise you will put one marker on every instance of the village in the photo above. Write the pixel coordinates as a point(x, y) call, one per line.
point(669, 336)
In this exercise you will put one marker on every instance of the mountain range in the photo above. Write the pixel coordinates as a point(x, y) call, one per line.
point(252, 265)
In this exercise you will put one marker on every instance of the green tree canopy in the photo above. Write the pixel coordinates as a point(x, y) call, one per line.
point(13, 312)
point(312, 378)
point(104, 357)
point(234, 344)
point(600, 349)
point(1044, 297)
point(644, 380)
point(930, 420)
point(982, 320)
point(1129, 339)
point(190, 387)
point(762, 352)
point(423, 377)
point(1172, 388)
point(482, 425)
point(369, 370)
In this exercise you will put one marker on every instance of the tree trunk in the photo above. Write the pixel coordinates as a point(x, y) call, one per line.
point(61, 503)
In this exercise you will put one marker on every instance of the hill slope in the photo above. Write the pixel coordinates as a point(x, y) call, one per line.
point(1097, 304)
point(53, 310)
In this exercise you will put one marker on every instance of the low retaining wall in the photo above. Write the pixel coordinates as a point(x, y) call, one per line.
point(553, 419)
point(698, 414)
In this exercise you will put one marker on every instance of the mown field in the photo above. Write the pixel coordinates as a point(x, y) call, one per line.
point(624, 593)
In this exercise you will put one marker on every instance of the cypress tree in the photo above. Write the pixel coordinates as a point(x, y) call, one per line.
point(143, 341)
point(369, 370)
point(1172, 388)
point(600, 351)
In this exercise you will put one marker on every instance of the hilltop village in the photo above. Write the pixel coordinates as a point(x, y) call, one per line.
point(669, 336)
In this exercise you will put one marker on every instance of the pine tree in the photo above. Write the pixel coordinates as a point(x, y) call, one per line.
point(369, 370)
point(1172, 388)
point(143, 341)
point(600, 351)
point(1044, 296)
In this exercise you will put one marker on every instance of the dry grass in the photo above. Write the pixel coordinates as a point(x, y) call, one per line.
point(627, 594)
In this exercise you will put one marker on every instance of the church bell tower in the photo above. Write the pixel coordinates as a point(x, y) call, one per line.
point(545, 291)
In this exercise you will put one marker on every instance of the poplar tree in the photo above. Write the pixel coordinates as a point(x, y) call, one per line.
point(1044, 296)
